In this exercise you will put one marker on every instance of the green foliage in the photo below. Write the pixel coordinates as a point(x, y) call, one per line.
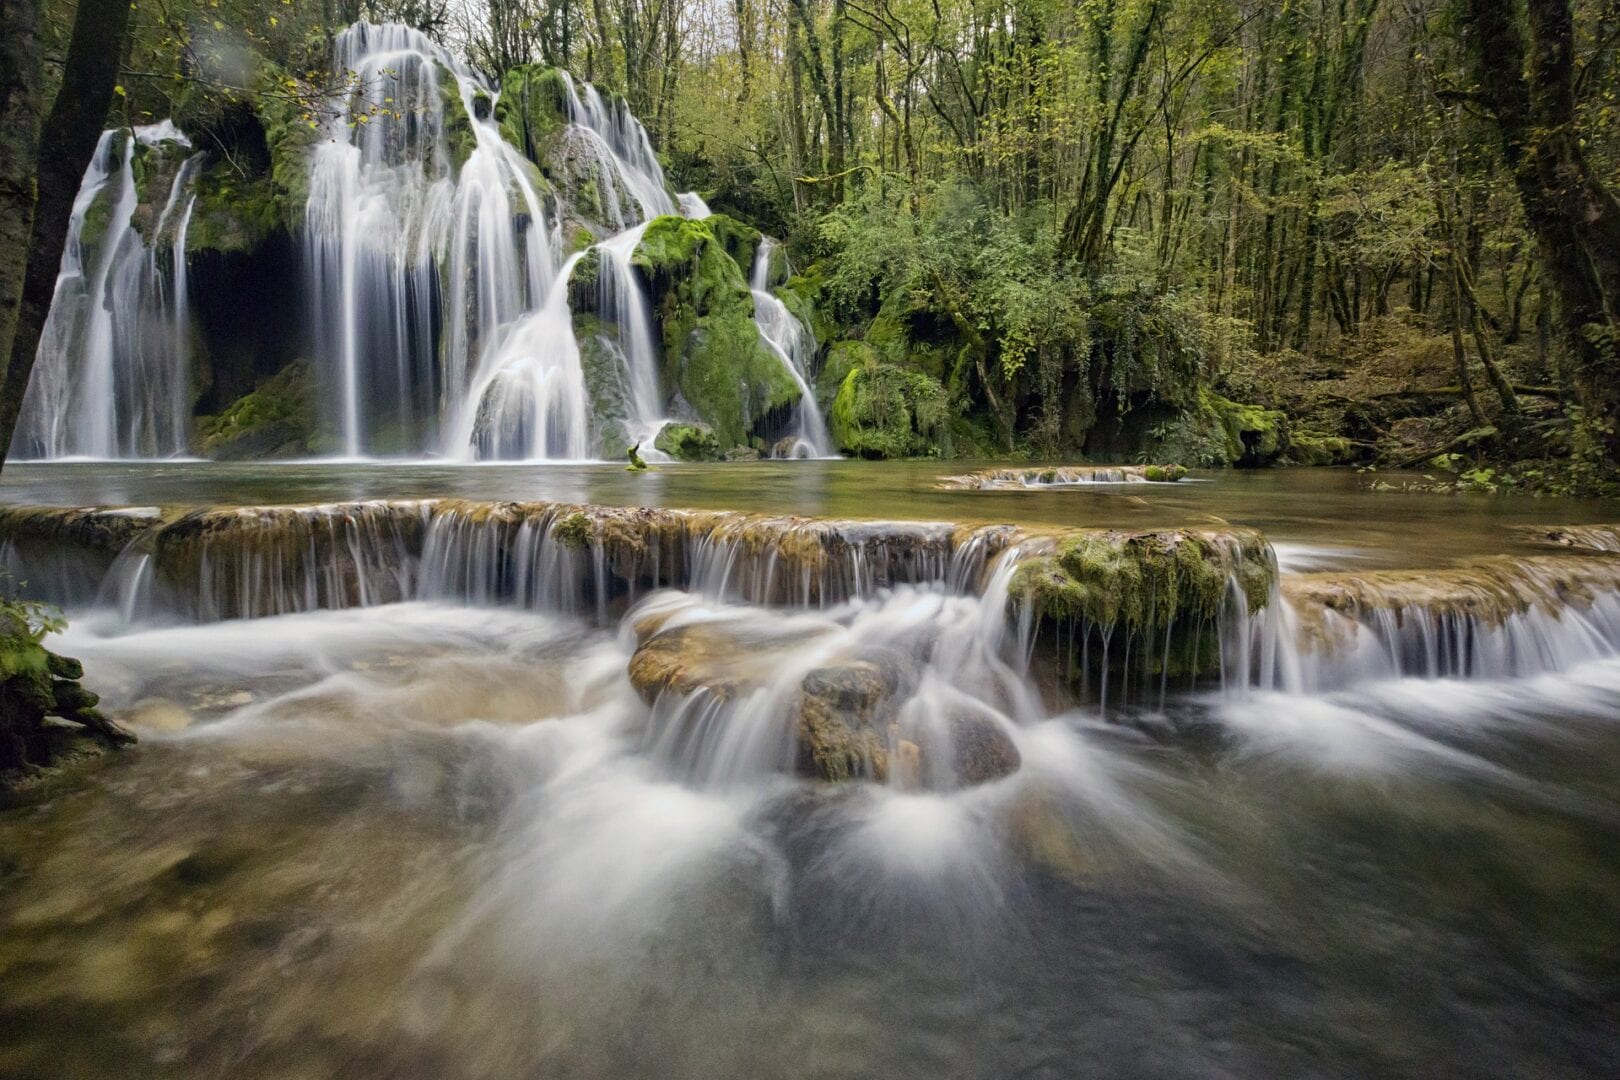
point(883, 411)
point(688, 442)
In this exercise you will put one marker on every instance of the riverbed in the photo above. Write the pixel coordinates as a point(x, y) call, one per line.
point(442, 838)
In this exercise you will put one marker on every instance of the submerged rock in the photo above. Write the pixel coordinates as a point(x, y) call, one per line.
point(1061, 476)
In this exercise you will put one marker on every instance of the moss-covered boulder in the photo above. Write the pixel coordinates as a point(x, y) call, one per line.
point(278, 419)
point(713, 355)
point(37, 684)
point(688, 442)
point(884, 411)
point(1314, 448)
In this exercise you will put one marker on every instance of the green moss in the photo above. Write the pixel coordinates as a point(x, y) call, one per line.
point(882, 411)
point(533, 108)
point(1312, 448)
point(276, 419)
point(1163, 474)
point(574, 531)
point(36, 683)
point(1160, 591)
point(713, 355)
point(1216, 431)
point(232, 214)
point(688, 442)
point(460, 139)
point(842, 357)
point(739, 240)
point(604, 383)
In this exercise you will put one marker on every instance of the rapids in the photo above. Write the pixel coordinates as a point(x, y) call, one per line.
point(431, 784)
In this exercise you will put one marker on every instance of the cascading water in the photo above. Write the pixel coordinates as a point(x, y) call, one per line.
point(624, 154)
point(401, 340)
point(621, 299)
point(113, 375)
point(791, 342)
point(472, 782)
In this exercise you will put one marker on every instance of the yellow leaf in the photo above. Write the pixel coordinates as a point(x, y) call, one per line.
point(119, 90)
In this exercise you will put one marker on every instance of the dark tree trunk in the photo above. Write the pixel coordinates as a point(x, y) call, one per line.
point(21, 104)
point(68, 142)
point(1575, 218)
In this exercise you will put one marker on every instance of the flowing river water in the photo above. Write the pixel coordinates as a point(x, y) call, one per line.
point(399, 810)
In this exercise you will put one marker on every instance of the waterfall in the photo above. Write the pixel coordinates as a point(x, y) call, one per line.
point(791, 342)
point(113, 374)
point(623, 300)
point(527, 399)
point(621, 146)
point(692, 205)
point(417, 267)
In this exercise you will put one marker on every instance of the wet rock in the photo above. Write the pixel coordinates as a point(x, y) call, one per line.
point(743, 453)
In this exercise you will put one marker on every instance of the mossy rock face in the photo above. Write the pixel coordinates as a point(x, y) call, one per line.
point(688, 442)
point(802, 293)
point(740, 241)
point(275, 420)
point(257, 175)
point(156, 167)
point(605, 384)
point(459, 138)
point(883, 411)
point(232, 214)
point(909, 334)
point(533, 108)
point(842, 358)
point(713, 355)
point(1215, 431)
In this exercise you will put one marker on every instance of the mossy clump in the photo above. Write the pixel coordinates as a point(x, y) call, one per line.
point(688, 442)
point(37, 684)
point(533, 108)
point(278, 419)
point(740, 240)
point(574, 531)
point(1163, 474)
point(1160, 589)
point(882, 411)
point(713, 354)
point(1215, 431)
point(1313, 448)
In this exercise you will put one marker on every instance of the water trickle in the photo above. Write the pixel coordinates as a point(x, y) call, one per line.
point(791, 342)
point(113, 374)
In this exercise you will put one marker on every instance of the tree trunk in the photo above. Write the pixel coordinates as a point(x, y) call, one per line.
point(65, 148)
point(21, 105)
point(1574, 217)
